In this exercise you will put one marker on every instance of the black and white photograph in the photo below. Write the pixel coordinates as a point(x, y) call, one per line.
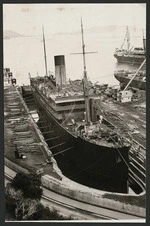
point(74, 84)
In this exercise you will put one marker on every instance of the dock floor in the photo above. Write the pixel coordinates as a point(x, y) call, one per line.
point(20, 135)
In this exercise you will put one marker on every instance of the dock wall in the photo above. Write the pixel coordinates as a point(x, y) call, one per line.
point(65, 189)
point(15, 167)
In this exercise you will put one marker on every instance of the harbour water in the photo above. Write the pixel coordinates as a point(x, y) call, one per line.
point(25, 55)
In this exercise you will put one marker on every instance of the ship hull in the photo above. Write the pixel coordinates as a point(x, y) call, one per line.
point(90, 164)
point(137, 84)
point(132, 59)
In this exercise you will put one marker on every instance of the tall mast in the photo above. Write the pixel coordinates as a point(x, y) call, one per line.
point(144, 41)
point(83, 49)
point(128, 39)
point(44, 51)
point(85, 81)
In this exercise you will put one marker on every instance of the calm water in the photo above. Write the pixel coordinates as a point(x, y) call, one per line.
point(25, 54)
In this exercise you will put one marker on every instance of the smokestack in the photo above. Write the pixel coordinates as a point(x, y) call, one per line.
point(60, 71)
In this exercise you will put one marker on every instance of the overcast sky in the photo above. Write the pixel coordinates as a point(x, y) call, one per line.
point(27, 19)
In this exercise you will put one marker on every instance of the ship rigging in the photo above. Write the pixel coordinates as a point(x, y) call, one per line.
point(85, 80)
point(130, 55)
point(76, 141)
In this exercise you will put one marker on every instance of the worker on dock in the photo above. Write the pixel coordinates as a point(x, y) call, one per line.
point(100, 119)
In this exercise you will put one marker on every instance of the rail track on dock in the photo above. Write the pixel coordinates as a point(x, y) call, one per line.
point(79, 210)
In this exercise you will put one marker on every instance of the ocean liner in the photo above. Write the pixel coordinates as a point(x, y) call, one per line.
point(124, 76)
point(130, 55)
point(81, 145)
point(135, 79)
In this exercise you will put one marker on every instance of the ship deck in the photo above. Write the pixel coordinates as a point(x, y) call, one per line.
point(92, 134)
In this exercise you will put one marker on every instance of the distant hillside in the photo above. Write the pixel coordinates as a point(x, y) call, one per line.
point(100, 29)
point(10, 34)
point(111, 29)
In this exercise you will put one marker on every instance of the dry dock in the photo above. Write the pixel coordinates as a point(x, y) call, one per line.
point(22, 134)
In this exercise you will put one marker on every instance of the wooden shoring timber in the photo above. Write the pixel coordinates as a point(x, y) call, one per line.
point(20, 122)
point(10, 94)
point(23, 126)
point(14, 121)
point(22, 137)
point(27, 94)
point(57, 145)
point(33, 111)
point(23, 142)
point(10, 126)
point(15, 113)
point(22, 132)
point(136, 142)
point(37, 118)
point(20, 113)
point(26, 145)
point(35, 145)
point(13, 106)
point(43, 119)
point(42, 127)
point(12, 97)
point(50, 131)
point(62, 151)
point(34, 148)
point(15, 103)
point(29, 101)
point(27, 98)
point(52, 138)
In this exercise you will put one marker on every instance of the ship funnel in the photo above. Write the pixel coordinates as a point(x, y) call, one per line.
point(60, 71)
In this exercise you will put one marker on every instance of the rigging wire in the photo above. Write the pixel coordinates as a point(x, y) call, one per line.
point(69, 114)
point(104, 76)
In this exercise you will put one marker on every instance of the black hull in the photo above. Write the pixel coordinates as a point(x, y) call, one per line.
point(87, 163)
point(133, 59)
point(137, 84)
